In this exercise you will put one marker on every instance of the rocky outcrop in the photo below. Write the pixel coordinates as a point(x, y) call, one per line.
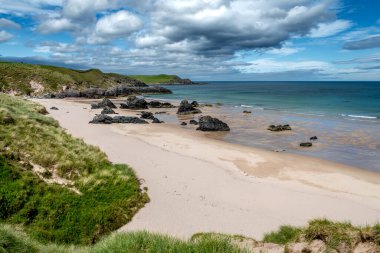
point(120, 90)
point(105, 119)
point(186, 108)
point(279, 128)
point(147, 115)
point(134, 103)
point(107, 110)
point(103, 104)
point(158, 104)
point(208, 123)
point(306, 144)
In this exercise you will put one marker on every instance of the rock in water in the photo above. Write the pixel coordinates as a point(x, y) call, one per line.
point(207, 123)
point(147, 115)
point(134, 103)
point(102, 119)
point(247, 112)
point(279, 128)
point(186, 108)
point(155, 120)
point(105, 102)
point(107, 110)
point(306, 144)
point(314, 138)
point(105, 119)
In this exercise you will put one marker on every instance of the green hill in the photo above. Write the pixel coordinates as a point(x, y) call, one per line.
point(160, 79)
point(21, 78)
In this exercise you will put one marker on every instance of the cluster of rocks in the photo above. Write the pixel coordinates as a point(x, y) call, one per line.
point(105, 119)
point(188, 108)
point(279, 128)
point(149, 115)
point(120, 90)
point(308, 144)
point(158, 104)
point(134, 103)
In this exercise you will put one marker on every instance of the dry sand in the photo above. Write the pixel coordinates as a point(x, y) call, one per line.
point(197, 184)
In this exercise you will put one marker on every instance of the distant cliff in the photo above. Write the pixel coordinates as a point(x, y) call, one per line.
point(163, 79)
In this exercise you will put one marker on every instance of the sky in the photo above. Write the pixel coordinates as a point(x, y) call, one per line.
point(279, 40)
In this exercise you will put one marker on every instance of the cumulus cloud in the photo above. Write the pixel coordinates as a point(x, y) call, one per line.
point(8, 24)
point(371, 42)
point(56, 25)
point(5, 36)
point(330, 29)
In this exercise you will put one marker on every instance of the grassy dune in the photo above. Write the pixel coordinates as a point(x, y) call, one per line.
point(58, 187)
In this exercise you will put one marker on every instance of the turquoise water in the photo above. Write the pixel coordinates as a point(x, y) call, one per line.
point(347, 99)
point(344, 115)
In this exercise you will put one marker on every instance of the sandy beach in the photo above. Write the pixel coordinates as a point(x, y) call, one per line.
point(198, 184)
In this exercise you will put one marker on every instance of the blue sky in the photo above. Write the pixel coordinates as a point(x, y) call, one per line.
point(200, 39)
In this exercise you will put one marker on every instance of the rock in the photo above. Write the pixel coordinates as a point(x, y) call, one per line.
point(314, 138)
point(194, 104)
point(43, 111)
point(105, 119)
point(104, 103)
point(160, 113)
point(155, 120)
point(367, 247)
point(306, 144)
point(186, 108)
point(54, 108)
point(134, 103)
point(102, 119)
point(247, 112)
point(207, 123)
point(107, 110)
point(48, 95)
point(279, 128)
point(158, 104)
point(147, 115)
point(183, 124)
point(194, 122)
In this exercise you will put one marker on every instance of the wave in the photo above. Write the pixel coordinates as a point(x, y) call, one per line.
point(359, 116)
point(246, 106)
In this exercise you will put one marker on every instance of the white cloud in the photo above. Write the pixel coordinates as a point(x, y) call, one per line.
point(8, 24)
point(56, 25)
point(330, 29)
point(5, 36)
point(285, 50)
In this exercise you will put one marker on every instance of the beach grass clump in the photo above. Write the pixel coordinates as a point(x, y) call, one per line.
point(59, 188)
point(284, 235)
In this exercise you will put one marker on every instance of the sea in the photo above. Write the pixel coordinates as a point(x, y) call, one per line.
point(345, 116)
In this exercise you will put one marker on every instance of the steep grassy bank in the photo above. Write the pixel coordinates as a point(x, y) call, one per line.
point(21, 78)
point(56, 186)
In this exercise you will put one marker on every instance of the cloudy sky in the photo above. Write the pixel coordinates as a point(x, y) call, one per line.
point(200, 39)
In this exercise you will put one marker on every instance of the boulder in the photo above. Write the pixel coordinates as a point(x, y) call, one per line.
point(105, 119)
point(102, 119)
point(207, 123)
point(104, 103)
point(54, 108)
point(314, 138)
point(306, 144)
point(195, 104)
point(186, 108)
point(193, 122)
point(158, 104)
point(147, 115)
point(279, 128)
point(107, 110)
point(247, 112)
point(183, 123)
point(134, 103)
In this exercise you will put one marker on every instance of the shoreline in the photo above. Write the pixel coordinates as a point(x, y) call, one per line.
point(197, 184)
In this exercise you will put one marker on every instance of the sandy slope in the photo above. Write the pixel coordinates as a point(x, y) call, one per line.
point(199, 185)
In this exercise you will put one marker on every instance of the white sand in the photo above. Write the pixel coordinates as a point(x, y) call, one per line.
point(199, 185)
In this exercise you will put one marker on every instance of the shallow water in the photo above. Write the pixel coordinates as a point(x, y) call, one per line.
point(353, 140)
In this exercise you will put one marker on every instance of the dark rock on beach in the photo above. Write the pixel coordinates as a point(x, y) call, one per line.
point(183, 124)
point(105, 119)
point(54, 108)
point(279, 128)
point(147, 115)
point(158, 104)
point(195, 103)
point(207, 123)
point(193, 122)
point(134, 103)
point(186, 108)
point(107, 110)
point(104, 103)
point(155, 120)
point(306, 144)
point(314, 138)
point(247, 112)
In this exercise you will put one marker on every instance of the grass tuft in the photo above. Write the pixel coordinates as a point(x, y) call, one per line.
point(284, 235)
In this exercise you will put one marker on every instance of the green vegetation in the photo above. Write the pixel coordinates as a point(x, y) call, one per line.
point(17, 77)
point(59, 188)
point(284, 235)
point(157, 79)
